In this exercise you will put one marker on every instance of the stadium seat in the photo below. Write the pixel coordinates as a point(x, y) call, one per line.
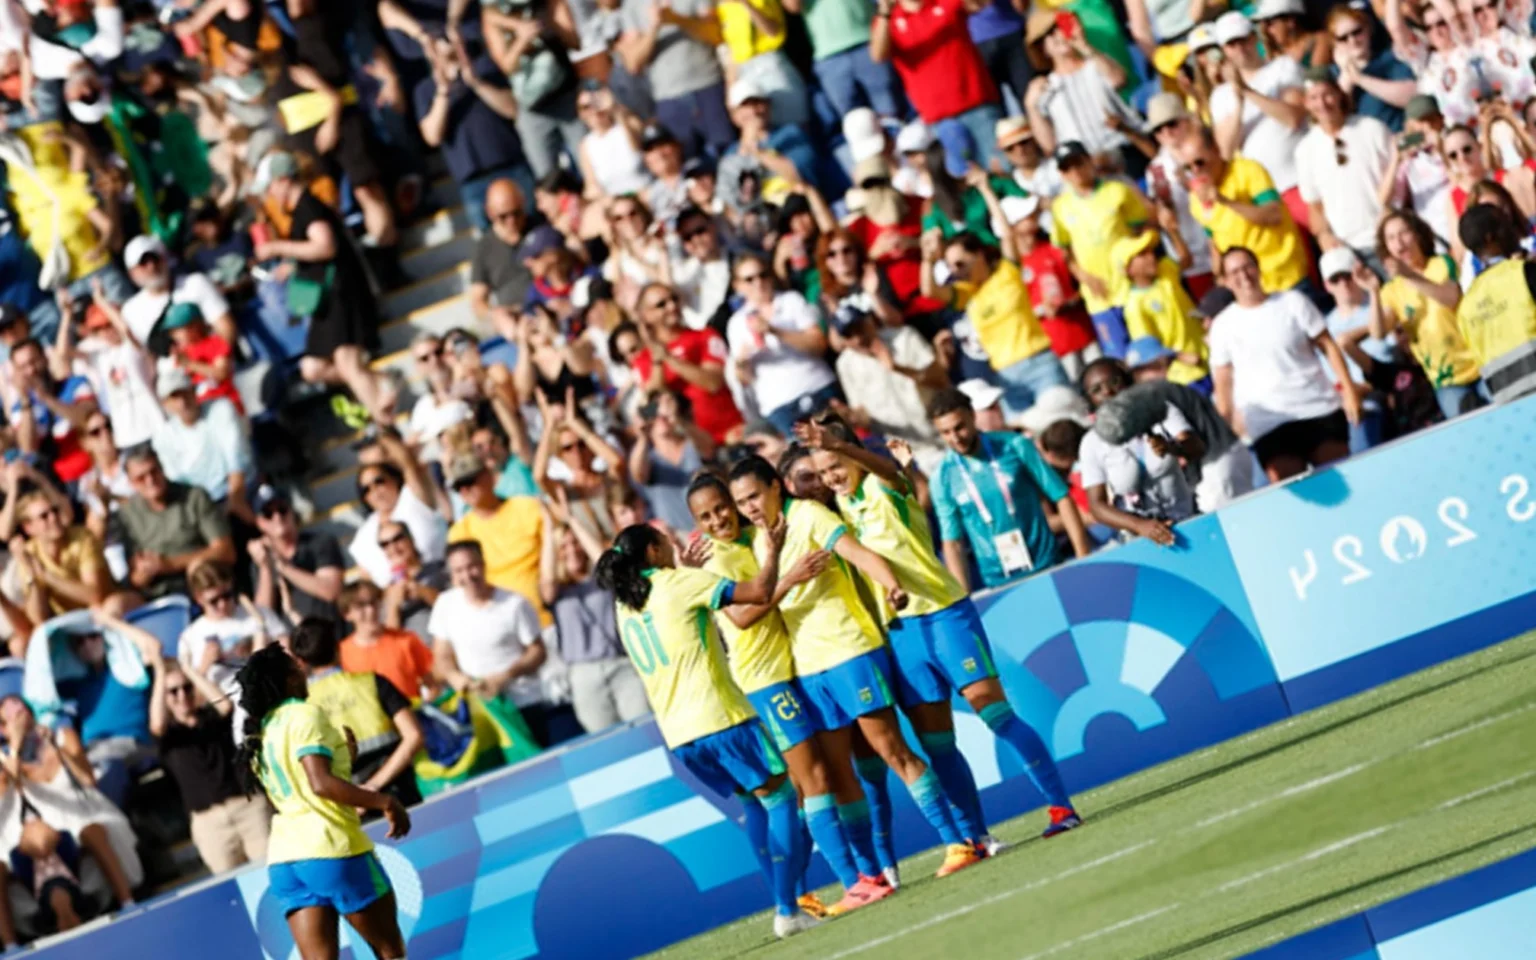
point(10, 677)
point(166, 619)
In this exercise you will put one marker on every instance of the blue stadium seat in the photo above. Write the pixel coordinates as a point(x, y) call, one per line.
point(166, 619)
point(11, 670)
point(498, 350)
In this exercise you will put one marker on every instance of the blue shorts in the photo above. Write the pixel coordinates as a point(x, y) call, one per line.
point(840, 695)
point(940, 653)
point(782, 709)
point(736, 760)
point(346, 884)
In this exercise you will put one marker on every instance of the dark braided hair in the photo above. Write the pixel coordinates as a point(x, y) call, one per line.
point(620, 568)
point(263, 685)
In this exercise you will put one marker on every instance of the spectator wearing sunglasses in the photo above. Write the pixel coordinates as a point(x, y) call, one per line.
point(407, 602)
point(168, 527)
point(64, 567)
point(1340, 165)
point(685, 360)
point(230, 628)
point(510, 532)
point(499, 281)
point(1380, 83)
point(394, 485)
point(296, 571)
point(192, 721)
point(777, 341)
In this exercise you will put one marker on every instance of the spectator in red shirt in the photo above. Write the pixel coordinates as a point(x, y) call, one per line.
point(692, 362)
point(889, 227)
point(1052, 288)
point(202, 353)
point(929, 43)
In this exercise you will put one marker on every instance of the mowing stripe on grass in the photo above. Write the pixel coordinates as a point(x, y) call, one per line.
point(1317, 854)
point(1484, 791)
point(995, 898)
point(1112, 928)
point(1285, 794)
point(1469, 728)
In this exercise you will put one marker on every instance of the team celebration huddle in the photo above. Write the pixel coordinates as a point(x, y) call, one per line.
point(776, 647)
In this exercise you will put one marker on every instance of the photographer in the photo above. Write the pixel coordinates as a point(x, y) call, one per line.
point(529, 40)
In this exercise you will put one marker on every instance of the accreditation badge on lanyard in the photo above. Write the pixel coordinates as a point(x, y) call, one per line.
point(1012, 552)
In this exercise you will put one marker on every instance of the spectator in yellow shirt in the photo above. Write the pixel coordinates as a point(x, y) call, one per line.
point(510, 532)
point(1158, 306)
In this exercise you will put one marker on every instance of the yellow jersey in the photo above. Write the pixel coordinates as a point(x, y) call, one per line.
point(304, 826)
point(1282, 256)
point(759, 655)
point(739, 33)
point(1164, 310)
point(510, 540)
point(1002, 317)
point(827, 622)
point(892, 523)
point(1090, 225)
point(1435, 339)
point(675, 648)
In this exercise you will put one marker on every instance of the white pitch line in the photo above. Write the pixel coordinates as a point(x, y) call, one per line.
point(1112, 928)
point(1317, 854)
point(1491, 788)
point(995, 898)
point(1486, 722)
point(1288, 792)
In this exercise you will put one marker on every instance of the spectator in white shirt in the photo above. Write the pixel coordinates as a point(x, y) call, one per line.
point(437, 409)
point(776, 343)
point(123, 370)
point(1417, 179)
point(888, 375)
point(149, 266)
point(1257, 111)
point(1340, 165)
point(1169, 123)
point(1270, 383)
point(230, 628)
point(703, 278)
point(486, 640)
point(393, 485)
point(204, 445)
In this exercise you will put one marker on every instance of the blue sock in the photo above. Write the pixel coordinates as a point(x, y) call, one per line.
point(756, 819)
point(949, 765)
point(1038, 762)
point(783, 816)
point(856, 824)
point(875, 776)
point(804, 851)
point(827, 831)
point(930, 799)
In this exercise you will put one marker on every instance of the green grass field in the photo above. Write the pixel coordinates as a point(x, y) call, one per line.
point(1233, 848)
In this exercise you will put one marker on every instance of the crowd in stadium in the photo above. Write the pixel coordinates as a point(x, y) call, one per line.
point(1081, 269)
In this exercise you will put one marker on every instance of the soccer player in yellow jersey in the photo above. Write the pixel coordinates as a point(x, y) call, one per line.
point(840, 654)
point(320, 864)
point(937, 641)
point(663, 613)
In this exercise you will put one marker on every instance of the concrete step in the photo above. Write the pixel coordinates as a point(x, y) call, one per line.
point(341, 522)
point(431, 231)
point(442, 194)
point(451, 282)
point(395, 336)
point(429, 261)
point(334, 488)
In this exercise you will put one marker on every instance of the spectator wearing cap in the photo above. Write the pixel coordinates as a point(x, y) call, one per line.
point(487, 640)
point(930, 45)
point(203, 354)
point(753, 33)
point(1281, 25)
point(1355, 306)
point(1419, 304)
point(509, 531)
point(1031, 168)
point(123, 368)
point(167, 527)
point(1341, 164)
point(1380, 84)
point(1269, 379)
point(530, 44)
point(703, 277)
point(1158, 307)
point(1087, 218)
point(149, 266)
point(687, 361)
point(774, 147)
point(610, 159)
point(204, 444)
point(397, 655)
point(1238, 205)
point(1170, 122)
point(465, 109)
point(1497, 316)
point(1257, 111)
point(1417, 178)
point(888, 226)
point(989, 286)
point(328, 283)
point(887, 373)
point(1072, 98)
point(499, 280)
point(407, 601)
point(777, 345)
point(298, 572)
point(664, 158)
point(987, 403)
point(1052, 289)
point(839, 31)
point(684, 75)
point(913, 142)
point(48, 413)
point(554, 267)
point(988, 492)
